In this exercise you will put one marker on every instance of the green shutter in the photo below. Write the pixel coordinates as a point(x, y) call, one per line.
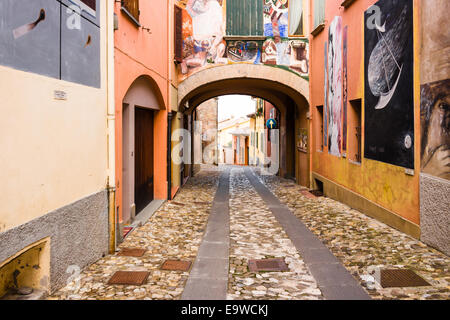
point(245, 18)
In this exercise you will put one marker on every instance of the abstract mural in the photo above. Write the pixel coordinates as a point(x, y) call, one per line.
point(244, 51)
point(389, 101)
point(59, 39)
point(276, 18)
point(345, 88)
point(435, 128)
point(335, 86)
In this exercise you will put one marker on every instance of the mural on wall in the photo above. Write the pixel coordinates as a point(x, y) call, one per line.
point(345, 88)
point(203, 33)
point(244, 51)
point(335, 86)
point(276, 18)
point(325, 100)
point(435, 90)
point(59, 39)
point(389, 101)
point(435, 128)
point(204, 30)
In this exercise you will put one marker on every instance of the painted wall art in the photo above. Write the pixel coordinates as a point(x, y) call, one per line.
point(335, 86)
point(203, 32)
point(59, 39)
point(205, 43)
point(345, 88)
point(276, 18)
point(325, 100)
point(435, 128)
point(389, 101)
point(244, 51)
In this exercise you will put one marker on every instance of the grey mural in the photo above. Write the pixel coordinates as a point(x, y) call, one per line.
point(59, 39)
point(389, 101)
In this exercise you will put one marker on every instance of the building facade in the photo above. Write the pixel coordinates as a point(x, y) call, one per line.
point(56, 77)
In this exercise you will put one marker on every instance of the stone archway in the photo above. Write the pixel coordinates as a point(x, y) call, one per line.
point(284, 89)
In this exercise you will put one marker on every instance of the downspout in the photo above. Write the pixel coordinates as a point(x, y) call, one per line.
point(169, 155)
point(110, 112)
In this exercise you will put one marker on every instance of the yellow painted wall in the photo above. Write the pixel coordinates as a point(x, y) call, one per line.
point(384, 184)
point(53, 152)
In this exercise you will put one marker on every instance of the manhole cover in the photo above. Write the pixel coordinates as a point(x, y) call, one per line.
point(135, 278)
point(131, 252)
point(391, 278)
point(176, 265)
point(267, 265)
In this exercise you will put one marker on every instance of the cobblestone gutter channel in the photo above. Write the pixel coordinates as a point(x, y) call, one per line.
point(362, 243)
point(256, 234)
point(173, 232)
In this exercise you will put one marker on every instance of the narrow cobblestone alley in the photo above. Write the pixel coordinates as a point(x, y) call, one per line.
point(177, 229)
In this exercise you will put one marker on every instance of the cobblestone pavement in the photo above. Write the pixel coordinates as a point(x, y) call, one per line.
point(255, 234)
point(174, 232)
point(364, 244)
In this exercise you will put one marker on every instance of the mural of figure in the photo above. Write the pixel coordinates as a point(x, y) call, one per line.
point(208, 32)
point(435, 126)
point(335, 86)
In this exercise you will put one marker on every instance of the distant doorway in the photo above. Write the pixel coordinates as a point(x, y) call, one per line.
point(144, 158)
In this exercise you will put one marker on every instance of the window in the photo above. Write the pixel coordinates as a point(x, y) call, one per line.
point(319, 12)
point(245, 18)
point(178, 17)
point(320, 137)
point(296, 17)
point(354, 131)
point(131, 8)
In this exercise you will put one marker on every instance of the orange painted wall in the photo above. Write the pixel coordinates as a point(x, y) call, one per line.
point(381, 183)
point(139, 52)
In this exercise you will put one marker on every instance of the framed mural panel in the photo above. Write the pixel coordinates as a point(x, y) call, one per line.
point(389, 76)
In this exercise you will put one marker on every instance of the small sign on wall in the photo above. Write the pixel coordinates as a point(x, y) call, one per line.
point(60, 95)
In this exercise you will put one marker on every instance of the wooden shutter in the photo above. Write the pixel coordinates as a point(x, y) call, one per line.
point(178, 34)
point(245, 18)
point(132, 6)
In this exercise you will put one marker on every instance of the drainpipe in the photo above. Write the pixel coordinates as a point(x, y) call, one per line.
point(169, 155)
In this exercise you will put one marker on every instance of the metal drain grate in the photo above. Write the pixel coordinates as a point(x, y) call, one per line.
point(135, 278)
point(390, 278)
point(131, 252)
point(176, 265)
point(267, 265)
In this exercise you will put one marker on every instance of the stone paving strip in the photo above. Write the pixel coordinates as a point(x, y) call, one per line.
point(256, 234)
point(365, 245)
point(175, 232)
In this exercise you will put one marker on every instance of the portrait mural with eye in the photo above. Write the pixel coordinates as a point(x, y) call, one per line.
point(435, 128)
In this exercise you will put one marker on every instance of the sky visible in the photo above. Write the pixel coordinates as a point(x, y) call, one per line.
point(235, 105)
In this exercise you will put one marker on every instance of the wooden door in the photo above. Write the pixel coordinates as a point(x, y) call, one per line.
point(143, 168)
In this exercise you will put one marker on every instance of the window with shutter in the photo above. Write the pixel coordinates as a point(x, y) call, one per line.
point(132, 8)
point(245, 18)
point(178, 46)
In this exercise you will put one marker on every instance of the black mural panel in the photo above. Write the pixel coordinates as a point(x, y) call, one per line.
point(29, 35)
point(389, 76)
point(80, 51)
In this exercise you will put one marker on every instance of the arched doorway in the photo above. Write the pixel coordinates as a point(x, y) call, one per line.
point(287, 92)
point(141, 105)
